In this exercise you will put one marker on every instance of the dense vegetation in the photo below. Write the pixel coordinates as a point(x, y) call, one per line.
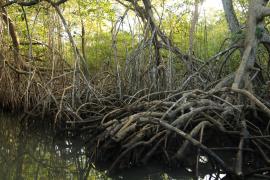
point(139, 80)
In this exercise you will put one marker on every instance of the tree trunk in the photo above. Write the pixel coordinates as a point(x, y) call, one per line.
point(230, 16)
point(13, 35)
point(256, 15)
point(150, 19)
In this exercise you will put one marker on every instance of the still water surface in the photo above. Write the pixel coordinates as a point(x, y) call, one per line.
point(35, 153)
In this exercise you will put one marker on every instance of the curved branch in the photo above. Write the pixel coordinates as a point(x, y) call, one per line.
point(31, 3)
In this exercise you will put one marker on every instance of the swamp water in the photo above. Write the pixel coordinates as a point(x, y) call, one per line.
point(36, 154)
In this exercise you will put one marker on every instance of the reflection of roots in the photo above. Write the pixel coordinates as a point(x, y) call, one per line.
point(170, 126)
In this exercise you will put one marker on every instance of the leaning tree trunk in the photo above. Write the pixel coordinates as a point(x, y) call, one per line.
point(14, 38)
point(255, 25)
point(230, 15)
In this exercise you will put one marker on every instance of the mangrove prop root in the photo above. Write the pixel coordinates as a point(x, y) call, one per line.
point(168, 128)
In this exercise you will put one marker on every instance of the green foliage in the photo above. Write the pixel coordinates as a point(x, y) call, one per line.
point(240, 35)
point(98, 18)
point(259, 32)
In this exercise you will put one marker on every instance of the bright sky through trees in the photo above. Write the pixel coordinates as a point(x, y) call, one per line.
point(211, 6)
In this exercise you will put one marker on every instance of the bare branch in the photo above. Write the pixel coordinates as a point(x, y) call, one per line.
point(265, 11)
point(31, 3)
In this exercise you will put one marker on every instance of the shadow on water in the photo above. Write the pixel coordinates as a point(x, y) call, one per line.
point(35, 154)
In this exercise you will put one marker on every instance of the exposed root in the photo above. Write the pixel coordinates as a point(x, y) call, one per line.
point(170, 129)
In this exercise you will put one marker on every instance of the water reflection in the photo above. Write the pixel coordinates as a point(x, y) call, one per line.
point(33, 153)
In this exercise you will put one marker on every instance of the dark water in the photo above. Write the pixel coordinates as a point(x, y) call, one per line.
point(35, 154)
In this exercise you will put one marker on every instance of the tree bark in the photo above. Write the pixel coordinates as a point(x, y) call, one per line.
point(192, 30)
point(230, 16)
point(256, 14)
point(13, 35)
point(150, 19)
